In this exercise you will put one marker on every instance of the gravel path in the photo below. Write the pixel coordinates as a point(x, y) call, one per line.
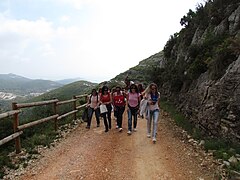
point(93, 154)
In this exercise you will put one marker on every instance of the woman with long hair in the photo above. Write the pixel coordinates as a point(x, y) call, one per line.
point(153, 99)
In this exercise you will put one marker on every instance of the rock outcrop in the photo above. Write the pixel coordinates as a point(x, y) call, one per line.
point(214, 104)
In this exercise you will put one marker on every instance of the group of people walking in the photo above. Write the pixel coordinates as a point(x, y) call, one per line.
point(134, 98)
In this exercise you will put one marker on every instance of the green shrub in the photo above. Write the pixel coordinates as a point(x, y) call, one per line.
point(169, 45)
point(180, 119)
point(225, 54)
point(197, 68)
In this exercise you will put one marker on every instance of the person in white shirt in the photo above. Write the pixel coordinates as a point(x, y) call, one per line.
point(93, 106)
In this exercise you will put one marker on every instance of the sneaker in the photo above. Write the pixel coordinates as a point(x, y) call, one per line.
point(154, 140)
point(106, 130)
point(148, 135)
point(135, 130)
point(117, 127)
point(120, 129)
point(129, 132)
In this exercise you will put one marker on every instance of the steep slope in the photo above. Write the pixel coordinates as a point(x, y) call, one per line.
point(144, 71)
point(202, 72)
point(199, 68)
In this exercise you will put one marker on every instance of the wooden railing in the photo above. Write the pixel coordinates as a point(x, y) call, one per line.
point(16, 109)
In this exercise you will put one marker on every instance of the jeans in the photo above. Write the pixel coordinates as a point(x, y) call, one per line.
point(90, 113)
point(132, 112)
point(153, 116)
point(119, 115)
point(107, 117)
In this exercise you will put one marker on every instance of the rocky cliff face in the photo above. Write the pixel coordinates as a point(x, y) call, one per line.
point(213, 104)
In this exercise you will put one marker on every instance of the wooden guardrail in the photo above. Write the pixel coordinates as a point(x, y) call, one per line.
point(16, 109)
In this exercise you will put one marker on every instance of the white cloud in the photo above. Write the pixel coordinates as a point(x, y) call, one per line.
point(115, 35)
point(65, 18)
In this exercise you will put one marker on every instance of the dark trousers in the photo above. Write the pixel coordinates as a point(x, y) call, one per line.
point(90, 113)
point(119, 115)
point(107, 117)
point(132, 111)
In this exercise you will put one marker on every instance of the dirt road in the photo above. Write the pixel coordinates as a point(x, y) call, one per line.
point(93, 154)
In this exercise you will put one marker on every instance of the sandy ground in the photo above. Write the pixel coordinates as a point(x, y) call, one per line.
point(93, 154)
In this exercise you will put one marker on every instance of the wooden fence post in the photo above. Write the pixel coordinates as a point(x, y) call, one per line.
point(15, 128)
point(55, 112)
point(75, 107)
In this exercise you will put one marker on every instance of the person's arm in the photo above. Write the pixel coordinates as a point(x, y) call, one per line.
point(111, 99)
point(98, 102)
point(127, 99)
point(158, 99)
point(139, 99)
point(113, 102)
point(150, 101)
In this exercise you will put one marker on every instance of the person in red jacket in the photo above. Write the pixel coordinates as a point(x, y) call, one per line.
point(106, 99)
point(119, 106)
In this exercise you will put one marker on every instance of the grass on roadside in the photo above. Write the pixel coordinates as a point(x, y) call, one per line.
point(222, 148)
point(180, 120)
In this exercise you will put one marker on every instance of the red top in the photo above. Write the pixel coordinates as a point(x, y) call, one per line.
point(119, 100)
point(105, 98)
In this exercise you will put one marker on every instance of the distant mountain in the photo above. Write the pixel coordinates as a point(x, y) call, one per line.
point(68, 81)
point(63, 92)
point(12, 83)
point(67, 91)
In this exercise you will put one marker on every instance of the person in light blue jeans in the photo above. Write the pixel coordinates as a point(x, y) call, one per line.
point(153, 117)
point(152, 95)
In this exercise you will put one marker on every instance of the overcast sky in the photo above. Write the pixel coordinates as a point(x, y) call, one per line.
point(91, 39)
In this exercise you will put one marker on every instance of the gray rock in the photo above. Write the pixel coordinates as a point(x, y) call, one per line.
point(234, 21)
point(233, 161)
point(226, 163)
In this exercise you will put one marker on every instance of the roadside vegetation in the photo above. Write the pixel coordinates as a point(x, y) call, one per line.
point(221, 148)
point(42, 134)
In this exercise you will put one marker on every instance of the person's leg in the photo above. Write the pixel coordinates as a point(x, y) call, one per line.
point(121, 111)
point(155, 122)
point(104, 115)
point(149, 122)
point(117, 111)
point(89, 118)
point(129, 120)
point(97, 115)
point(109, 108)
point(135, 111)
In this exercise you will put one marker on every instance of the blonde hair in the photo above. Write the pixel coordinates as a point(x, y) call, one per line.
point(148, 89)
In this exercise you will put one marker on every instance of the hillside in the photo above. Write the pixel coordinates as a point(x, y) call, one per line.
point(144, 71)
point(11, 83)
point(198, 68)
point(67, 91)
point(68, 81)
point(19, 89)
